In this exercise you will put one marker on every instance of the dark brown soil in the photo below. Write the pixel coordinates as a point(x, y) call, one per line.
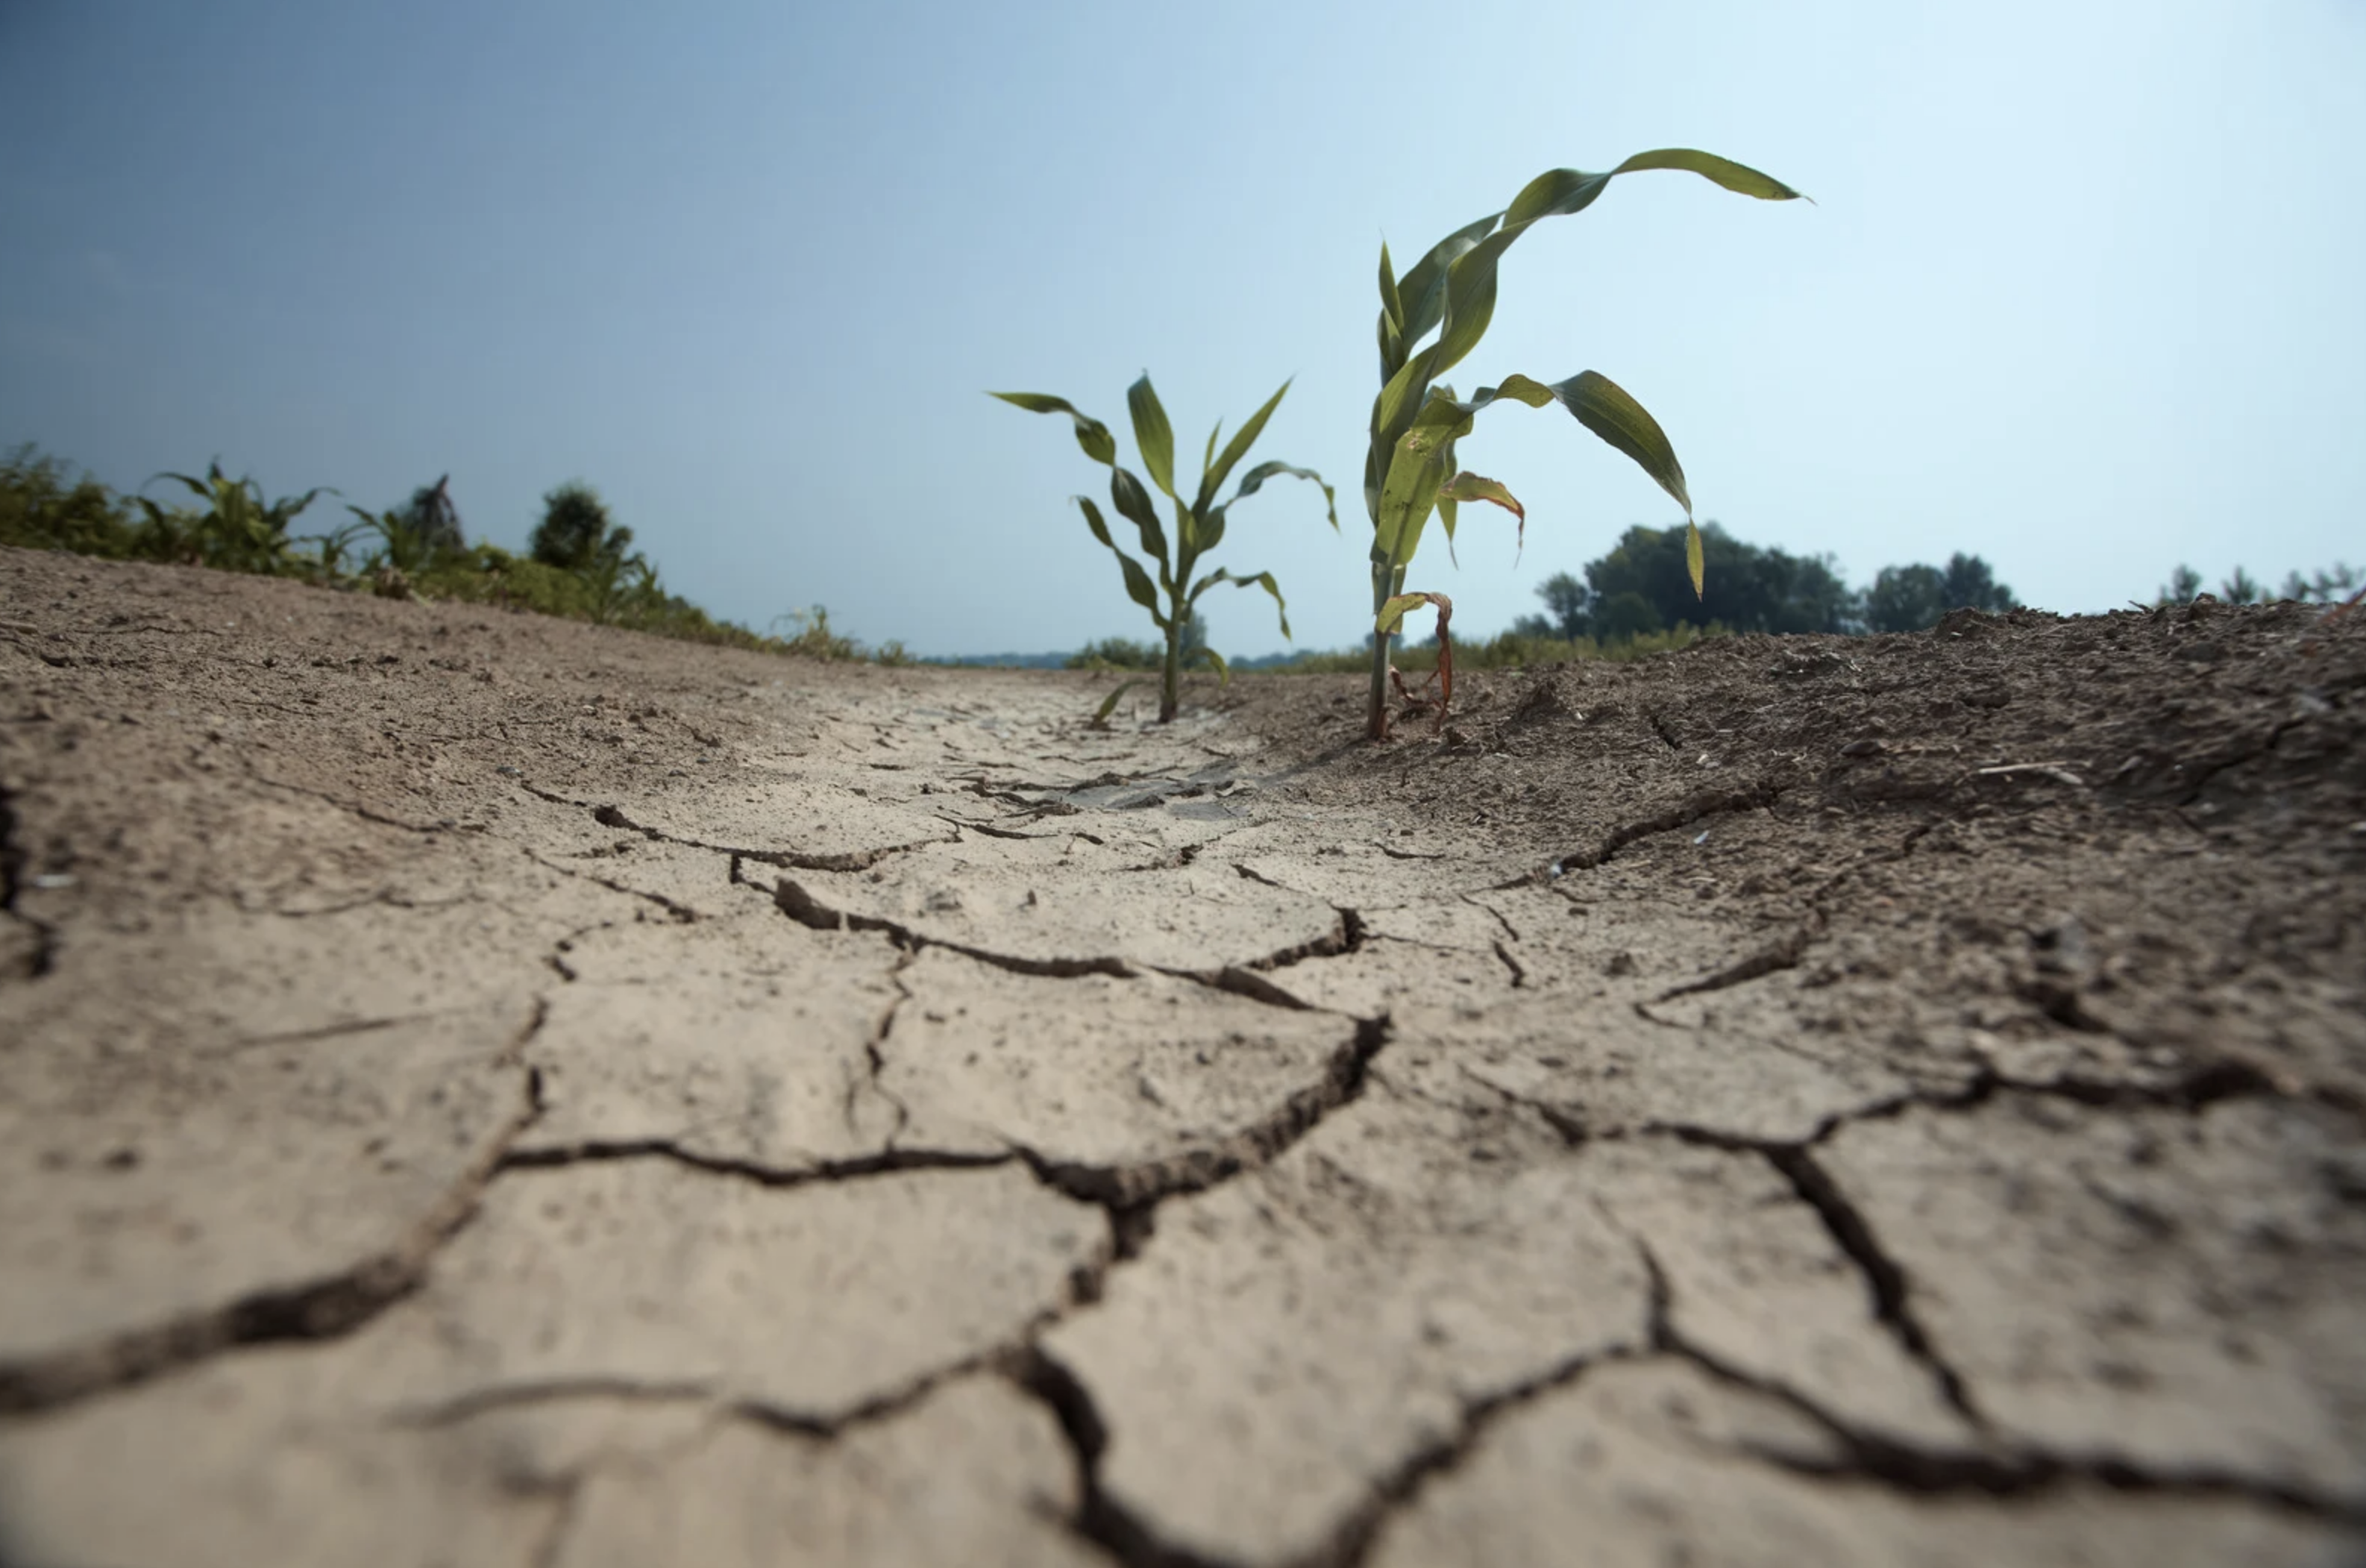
point(2147, 824)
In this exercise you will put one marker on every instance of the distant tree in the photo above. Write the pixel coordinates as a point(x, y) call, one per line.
point(1568, 606)
point(2184, 585)
point(1906, 599)
point(1749, 588)
point(1912, 598)
point(1969, 585)
point(576, 532)
point(1626, 614)
point(2240, 589)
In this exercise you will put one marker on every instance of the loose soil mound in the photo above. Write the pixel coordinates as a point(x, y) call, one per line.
point(482, 1089)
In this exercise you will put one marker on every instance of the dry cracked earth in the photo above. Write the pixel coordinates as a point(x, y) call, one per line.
point(481, 1089)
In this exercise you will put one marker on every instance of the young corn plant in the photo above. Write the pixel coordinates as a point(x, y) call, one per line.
point(1199, 523)
point(239, 531)
point(1409, 469)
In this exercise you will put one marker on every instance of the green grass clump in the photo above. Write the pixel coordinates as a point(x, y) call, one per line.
point(397, 553)
point(1506, 650)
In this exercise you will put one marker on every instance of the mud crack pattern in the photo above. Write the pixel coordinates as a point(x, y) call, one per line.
point(481, 1089)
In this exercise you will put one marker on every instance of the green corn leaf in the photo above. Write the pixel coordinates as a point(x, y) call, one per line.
point(1392, 306)
point(1109, 703)
point(1262, 580)
point(1455, 285)
point(1210, 532)
point(1138, 586)
point(1134, 501)
point(1093, 521)
point(1091, 433)
point(1254, 481)
point(1208, 459)
point(1469, 300)
point(1738, 178)
point(1423, 291)
point(1598, 403)
point(1692, 554)
point(1140, 589)
point(1400, 398)
point(1213, 529)
point(1409, 494)
point(1603, 407)
point(1152, 433)
point(203, 491)
point(1213, 479)
point(1216, 661)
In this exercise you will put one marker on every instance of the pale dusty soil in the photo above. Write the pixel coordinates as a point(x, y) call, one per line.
point(481, 1089)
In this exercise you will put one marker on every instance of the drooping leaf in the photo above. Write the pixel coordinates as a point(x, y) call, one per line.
point(1138, 586)
point(1603, 407)
point(1133, 503)
point(1468, 486)
point(1393, 610)
point(204, 492)
point(1262, 580)
point(1091, 433)
point(1254, 481)
point(1152, 433)
point(1738, 178)
point(1692, 554)
point(1093, 520)
point(1224, 670)
point(1454, 287)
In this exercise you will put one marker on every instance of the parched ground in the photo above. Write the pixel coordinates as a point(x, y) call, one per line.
point(483, 1089)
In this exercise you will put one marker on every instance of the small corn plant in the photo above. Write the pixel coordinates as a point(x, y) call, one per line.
point(239, 531)
point(1409, 469)
point(1198, 525)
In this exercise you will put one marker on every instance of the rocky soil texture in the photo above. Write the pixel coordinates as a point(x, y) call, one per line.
point(480, 1089)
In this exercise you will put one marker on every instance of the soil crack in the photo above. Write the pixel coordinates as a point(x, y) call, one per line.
point(1691, 809)
point(1099, 1520)
point(851, 860)
point(326, 1308)
point(1128, 1189)
point(1884, 1278)
point(1242, 979)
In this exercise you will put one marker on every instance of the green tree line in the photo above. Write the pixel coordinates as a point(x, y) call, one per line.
point(1643, 587)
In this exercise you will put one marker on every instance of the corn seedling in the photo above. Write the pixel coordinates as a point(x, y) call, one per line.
point(1409, 469)
point(1199, 525)
point(238, 531)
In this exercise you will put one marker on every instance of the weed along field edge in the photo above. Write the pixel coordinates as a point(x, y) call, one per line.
point(483, 1088)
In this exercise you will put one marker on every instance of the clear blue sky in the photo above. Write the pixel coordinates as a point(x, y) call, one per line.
point(2080, 293)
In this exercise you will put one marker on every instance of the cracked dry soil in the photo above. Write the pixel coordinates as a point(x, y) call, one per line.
point(483, 1089)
